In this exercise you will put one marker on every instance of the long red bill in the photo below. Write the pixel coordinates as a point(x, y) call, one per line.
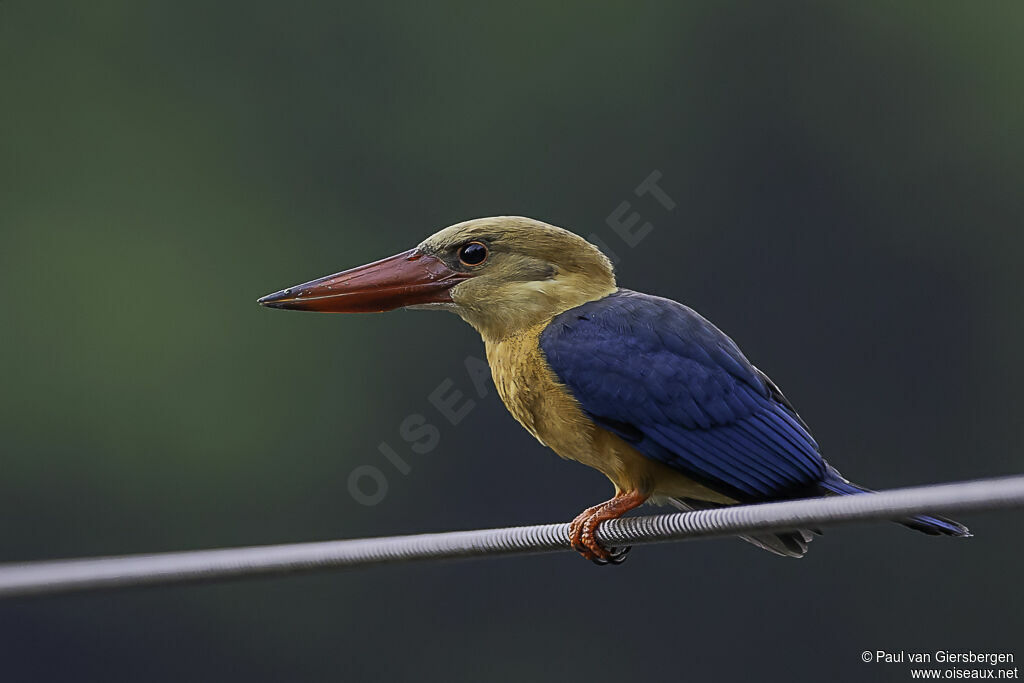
point(405, 279)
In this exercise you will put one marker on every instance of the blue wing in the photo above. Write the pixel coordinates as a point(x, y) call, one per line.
point(668, 381)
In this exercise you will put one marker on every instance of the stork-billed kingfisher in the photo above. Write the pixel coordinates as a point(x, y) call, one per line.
point(641, 388)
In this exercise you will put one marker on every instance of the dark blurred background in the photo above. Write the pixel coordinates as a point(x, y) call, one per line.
point(848, 186)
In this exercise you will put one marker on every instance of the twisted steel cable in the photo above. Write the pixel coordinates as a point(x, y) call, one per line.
point(63, 576)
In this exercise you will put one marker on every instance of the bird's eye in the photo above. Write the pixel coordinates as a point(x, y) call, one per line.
point(473, 254)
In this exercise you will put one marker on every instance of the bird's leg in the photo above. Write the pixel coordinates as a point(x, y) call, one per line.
point(576, 530)
point(577, 525)
point(583, 528)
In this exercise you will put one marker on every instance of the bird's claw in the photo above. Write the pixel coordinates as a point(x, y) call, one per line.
point(583, 540)
point(583, 529)
point(615, 556)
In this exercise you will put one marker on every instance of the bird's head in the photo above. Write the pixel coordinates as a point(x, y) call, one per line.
point(500, 274)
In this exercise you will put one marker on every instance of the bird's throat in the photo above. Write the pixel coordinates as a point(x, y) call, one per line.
point(523, 306)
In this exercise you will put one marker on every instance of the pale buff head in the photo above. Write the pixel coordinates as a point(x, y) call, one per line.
point(530, 271)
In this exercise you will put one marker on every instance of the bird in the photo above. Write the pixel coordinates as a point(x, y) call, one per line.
point(639, 387)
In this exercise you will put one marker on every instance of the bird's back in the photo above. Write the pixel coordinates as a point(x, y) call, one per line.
point(669, 382)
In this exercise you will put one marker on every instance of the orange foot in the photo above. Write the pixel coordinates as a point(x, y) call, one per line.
point(583, 528)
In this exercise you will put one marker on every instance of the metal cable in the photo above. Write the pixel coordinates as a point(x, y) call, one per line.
point(62, 576)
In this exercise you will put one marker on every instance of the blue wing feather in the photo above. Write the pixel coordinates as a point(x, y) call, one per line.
point(662, 377)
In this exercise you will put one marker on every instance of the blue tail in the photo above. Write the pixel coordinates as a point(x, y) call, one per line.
point(929, 524)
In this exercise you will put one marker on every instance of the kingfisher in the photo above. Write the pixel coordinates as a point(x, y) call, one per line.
point(641, 388)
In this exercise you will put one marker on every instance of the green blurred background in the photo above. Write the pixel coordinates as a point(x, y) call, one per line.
point(848, 180)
